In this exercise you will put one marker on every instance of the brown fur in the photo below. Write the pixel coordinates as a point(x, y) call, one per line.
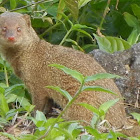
point(29, 56)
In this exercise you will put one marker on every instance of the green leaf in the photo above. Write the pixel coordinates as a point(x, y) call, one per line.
point(131, 20)
point(40, 23)
point(136, 116)
point(66, 18)
point(40, 116)
point(105, 106)
point(23, 102)
point(100, 76)
point(60, 9)
point(3, 121)
point(72, 5)
point(112, 44)
point(3, 85)
point(8, 135)
point(11, 98)
point(74, 130)
point(2, 90)
point(82, 3)
point(14, 87)
point(29, 108)
point(72, 127)
point(64, 132)
point(133, 37)
point(136, 10)
point(93, 132)
point(85, 33)
point(3, 105)
point(10, 114)
point(75, 43)
point(90, 107)
point(13, 4)
point(97, 88)
point(63, 92)
point(87, 137)
point(28, 137)
point(80, 26)
point(2, 9)
point(95, 120)
point(118, 134)
point(60, 138)
point(75, 74)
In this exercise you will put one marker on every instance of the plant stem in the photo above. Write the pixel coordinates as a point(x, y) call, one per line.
point(6, 75)
point(65, 36)
point(13, 127)
point(104, 14)
point(64, 110)
point(54, 26)
point(35, 3)
point(35, 6)
point(49, 29)
point(3, 2)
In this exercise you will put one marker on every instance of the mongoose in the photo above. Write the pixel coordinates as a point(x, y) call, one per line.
point(30, 56)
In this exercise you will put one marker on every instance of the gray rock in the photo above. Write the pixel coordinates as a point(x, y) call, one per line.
point(127, 65)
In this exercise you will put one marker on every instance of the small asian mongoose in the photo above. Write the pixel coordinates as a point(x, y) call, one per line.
point(30, 56)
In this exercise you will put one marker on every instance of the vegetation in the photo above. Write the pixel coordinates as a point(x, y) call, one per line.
point(84, 25)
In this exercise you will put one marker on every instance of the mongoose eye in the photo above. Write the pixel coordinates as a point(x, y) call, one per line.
point(4, 29)
point(19, 29)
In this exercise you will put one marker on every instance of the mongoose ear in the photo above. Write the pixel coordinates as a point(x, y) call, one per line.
point(27, 18)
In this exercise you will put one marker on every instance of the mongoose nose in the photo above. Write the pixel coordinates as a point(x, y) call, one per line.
point(11, 38)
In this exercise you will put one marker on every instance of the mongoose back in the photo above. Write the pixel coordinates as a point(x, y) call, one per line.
point(30, 56)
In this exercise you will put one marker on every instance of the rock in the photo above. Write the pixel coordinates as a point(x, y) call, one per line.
point(127, 65)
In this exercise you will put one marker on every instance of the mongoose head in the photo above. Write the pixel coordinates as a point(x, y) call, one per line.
point(14, 29)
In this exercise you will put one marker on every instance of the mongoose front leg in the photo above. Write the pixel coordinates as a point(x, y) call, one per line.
point(42, 104)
